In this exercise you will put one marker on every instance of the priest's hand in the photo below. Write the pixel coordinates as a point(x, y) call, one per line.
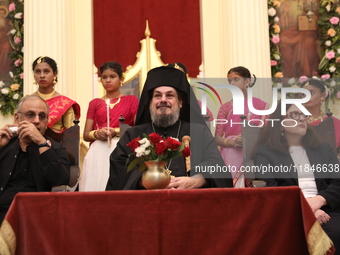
point(322, 216)
point(194, 182)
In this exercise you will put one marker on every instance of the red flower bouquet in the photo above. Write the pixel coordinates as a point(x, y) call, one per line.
point(154, 147)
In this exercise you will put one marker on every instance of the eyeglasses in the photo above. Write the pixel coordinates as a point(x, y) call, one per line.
point(297, 115)
point(31, 116)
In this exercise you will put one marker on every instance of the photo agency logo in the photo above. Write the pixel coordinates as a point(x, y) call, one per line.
point(239, 102)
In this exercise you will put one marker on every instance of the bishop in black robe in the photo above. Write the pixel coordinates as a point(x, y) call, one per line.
point(205, 157)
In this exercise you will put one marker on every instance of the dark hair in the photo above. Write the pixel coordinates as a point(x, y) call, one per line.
point(272, 138)
point(47, 60)
point(51, 62)
point(181, 65)
point(243, 72)
point(316, 83)
point(113, 65)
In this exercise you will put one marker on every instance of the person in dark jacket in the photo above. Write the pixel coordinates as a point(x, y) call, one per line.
point(290, 153)
point(29, 161)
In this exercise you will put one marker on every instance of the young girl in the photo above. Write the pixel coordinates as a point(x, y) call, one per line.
point(103, 135)
point(228, 136)
point(63, 110)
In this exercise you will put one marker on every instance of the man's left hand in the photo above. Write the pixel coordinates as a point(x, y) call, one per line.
point(316, 202)
point(186, 182)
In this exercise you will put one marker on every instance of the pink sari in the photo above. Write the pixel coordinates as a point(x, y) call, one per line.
point(234, 156)
point(127, 107)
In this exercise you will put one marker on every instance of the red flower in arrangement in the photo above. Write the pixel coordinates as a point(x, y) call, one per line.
point(154, 138)
point(172, 144)
point(154, 147)
point(160, 148)
point(186, 152)
point(134, 143)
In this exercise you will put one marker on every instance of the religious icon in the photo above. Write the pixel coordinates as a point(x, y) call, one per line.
point(5, 46)
point(299, 45)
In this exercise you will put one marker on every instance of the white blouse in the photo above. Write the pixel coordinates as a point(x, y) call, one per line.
point(304, 170)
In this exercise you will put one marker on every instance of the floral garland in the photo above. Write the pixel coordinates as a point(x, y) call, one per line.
point(10, 94)
point(329, 67)
point(274, 34)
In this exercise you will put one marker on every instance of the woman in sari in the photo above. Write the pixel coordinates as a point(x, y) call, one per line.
point(63, 110)
point(228, 136)
point(102, 127)
point(318, 97)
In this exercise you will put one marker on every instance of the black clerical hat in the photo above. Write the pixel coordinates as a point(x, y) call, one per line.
point(172, 77)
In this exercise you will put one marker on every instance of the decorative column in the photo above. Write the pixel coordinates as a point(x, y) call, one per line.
point(62, 30)
point(236, 33)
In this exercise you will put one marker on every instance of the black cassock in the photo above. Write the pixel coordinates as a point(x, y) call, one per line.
point(205, 157)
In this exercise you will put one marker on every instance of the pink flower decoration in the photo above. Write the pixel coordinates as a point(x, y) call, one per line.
point(330, 55)
point(334, 20)
point(17, 40)
point(302, 79)
point(275, 39)
point(11, 7)
point(18, 62)
point(21, 76)
point(326, 76)
point(338, 94)
point(273, 62)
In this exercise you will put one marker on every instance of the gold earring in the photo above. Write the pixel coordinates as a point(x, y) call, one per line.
point(121, 84)
point(54, 81)
point(322, 100)
point(35, 83)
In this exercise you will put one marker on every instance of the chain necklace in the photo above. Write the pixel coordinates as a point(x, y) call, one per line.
point(320, 117)
point(179, 129)
point(114, 104)
point(46, 96)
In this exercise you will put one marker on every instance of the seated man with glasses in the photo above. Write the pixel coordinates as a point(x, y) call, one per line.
point(29, 161)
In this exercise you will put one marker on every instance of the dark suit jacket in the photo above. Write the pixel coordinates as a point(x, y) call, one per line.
point(49, 169)
point(322, 160)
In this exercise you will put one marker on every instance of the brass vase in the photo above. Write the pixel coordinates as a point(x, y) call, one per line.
point(155, 176)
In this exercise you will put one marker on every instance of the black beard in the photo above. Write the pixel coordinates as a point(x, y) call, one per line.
point(164, 120)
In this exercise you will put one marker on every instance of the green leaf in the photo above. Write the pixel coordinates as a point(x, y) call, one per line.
point(133, 164)
point(181, 147)
point(323, 62)
point(142, 167)
point(176, 154)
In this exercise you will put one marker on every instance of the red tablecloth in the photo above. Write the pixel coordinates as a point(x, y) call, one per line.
point(204, 221)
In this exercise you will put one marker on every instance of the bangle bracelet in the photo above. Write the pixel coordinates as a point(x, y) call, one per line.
point(92, 135)
point(117, 131)
point(226, 142)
